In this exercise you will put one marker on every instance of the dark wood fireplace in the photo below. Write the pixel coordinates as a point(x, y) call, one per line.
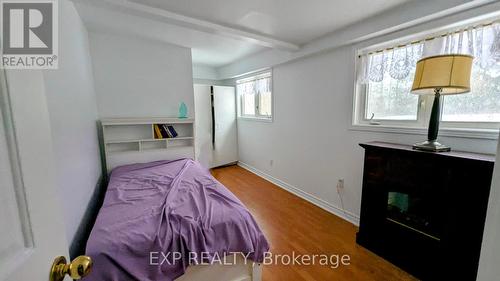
point(425, 212)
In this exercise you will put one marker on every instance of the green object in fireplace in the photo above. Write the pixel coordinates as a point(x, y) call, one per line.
point(398, 200)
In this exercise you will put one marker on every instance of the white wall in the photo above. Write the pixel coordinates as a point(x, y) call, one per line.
point(73, 114)
point(136, 77)
point(490, 252)
point(310, 141)
point(204, 72)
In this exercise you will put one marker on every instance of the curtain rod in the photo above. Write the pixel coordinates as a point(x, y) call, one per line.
point(429, 38)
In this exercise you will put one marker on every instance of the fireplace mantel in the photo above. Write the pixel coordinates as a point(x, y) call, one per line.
point(424, 211)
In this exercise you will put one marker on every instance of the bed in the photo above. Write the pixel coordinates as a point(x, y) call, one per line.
point(171, 220)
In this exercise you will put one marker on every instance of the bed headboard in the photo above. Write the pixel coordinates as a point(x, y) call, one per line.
point(133, 140)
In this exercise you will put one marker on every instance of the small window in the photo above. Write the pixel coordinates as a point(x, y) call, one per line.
point(385, 76)
point(255, 96)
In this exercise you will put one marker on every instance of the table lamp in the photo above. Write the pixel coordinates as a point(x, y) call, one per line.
point(440, 75)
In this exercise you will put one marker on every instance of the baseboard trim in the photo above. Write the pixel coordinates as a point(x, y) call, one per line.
point(348, 216)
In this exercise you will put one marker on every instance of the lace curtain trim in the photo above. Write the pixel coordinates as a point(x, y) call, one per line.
point(260, 85)
point(483, 43)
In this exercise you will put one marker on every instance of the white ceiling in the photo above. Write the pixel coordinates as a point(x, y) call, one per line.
point(220, 32)
point(294, 21)
point(207, 49)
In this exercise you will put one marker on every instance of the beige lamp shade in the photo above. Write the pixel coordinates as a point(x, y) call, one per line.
point(451, 73)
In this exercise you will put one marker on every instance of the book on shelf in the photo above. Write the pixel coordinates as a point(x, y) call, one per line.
point(157, 131)
point(171, 131)
point(164, 131)
point(168, 134)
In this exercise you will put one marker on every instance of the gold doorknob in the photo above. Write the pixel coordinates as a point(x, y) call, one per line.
point(77, 269)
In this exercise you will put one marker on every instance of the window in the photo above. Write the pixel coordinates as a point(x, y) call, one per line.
point(390, 98)
point(482, 104)
point(255, 96)
point(385, 78)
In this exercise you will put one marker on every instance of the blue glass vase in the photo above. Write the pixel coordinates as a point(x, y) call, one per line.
point(183, 110)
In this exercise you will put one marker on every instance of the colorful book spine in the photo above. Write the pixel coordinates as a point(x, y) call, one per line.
point(163, 131)
point(172, 131)
point(167, 132)
point(157, 131)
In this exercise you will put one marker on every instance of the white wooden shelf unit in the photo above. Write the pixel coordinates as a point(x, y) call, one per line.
point(132, 140)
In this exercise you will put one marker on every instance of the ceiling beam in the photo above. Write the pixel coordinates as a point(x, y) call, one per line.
point(194, 23)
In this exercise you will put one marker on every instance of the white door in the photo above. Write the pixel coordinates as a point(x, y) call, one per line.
point(31, 230)
point(203, 125)
point(225, 142)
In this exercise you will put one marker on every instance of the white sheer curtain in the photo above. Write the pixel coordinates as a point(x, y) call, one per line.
point(481, 42)
point(259, 85)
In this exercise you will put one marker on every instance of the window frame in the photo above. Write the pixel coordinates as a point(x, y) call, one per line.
point(241, 106)
point(359, 117)
point(484, 130)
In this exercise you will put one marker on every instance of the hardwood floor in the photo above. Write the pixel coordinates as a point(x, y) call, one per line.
point(292, 224)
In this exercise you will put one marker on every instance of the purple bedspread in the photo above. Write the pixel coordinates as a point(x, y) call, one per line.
point(162, 207)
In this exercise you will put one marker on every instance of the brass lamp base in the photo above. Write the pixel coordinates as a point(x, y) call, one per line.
point(432, 146)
